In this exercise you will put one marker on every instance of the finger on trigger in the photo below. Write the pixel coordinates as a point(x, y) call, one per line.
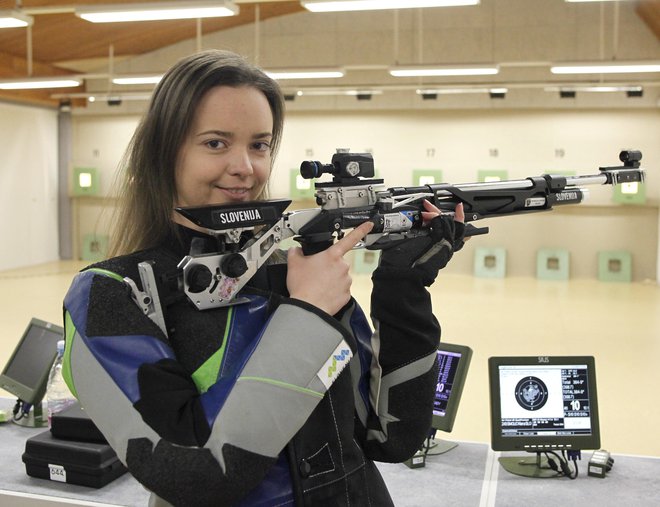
point(353, 238)
point(459, 214)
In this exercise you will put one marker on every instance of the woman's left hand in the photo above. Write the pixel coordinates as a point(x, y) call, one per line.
point(432, 211)
point(430, 253)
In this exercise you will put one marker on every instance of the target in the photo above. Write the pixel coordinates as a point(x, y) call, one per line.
point(531, 393)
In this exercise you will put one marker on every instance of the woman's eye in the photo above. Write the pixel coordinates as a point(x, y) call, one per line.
point(215, 144)
point(261, 146)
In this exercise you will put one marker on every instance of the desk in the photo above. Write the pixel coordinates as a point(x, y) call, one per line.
point(470, 475)
point(467, 476)
point(17, 489)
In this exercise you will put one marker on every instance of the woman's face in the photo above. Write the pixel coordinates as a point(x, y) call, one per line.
point(226, 156)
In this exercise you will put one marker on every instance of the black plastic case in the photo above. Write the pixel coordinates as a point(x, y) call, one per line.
point(83, 463)
point(73, 423)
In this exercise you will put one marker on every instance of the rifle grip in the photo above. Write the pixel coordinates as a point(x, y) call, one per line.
point(471, 230)
point(315, 243)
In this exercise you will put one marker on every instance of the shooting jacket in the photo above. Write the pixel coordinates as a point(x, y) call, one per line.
point(270, 402)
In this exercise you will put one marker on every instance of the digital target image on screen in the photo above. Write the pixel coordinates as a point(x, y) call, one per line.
point(543, 402)
point(546, 398)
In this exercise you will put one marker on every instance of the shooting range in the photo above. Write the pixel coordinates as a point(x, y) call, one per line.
point(499, 99)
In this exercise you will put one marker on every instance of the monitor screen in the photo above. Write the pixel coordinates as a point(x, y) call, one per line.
point(543, 403)
point(454, 361)
point(26, 373)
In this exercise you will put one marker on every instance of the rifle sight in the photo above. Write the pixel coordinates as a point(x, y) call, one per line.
point(344, 167)
point(630, 158)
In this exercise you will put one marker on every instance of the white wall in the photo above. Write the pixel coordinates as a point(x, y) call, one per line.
point(28, 186)
point(461, 142)
point(526, 144)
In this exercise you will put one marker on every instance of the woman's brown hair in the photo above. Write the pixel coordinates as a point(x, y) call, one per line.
point(147, 190)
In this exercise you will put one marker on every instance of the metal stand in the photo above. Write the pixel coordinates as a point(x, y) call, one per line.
point(441, 446)
point(35, 418)
point(528, 467)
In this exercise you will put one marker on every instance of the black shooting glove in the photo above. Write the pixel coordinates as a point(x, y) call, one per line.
point(427, 254)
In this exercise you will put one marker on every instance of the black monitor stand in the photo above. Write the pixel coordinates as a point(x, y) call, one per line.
point(536, 467)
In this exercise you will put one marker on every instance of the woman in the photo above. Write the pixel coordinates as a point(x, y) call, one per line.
point(282, 400)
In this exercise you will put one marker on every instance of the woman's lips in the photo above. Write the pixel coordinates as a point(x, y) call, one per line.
point(236, 194)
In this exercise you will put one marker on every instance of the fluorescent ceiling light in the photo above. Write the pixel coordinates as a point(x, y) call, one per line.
point(14, 19)
point(606, 89)
point(605, 68)
point(363, 92)
point(111, 13)
point(593, 89)
point(321, 93)
point(428, 71)
point(456, 91)
point(36, 83)
point(305, 73)
point(372, 5)
point(137, 80)
point(118, 96)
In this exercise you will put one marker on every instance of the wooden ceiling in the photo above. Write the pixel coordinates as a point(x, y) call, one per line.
point(649, 11)
point(62, 44)
point(65, 44)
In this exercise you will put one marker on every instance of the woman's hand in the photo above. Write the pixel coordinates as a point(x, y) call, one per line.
point(432, 211)
point(428, 254)
point(323, 279)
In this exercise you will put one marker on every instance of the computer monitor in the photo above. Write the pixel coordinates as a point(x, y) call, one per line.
point(26, 373)
point(454, 361)
point(544, 405)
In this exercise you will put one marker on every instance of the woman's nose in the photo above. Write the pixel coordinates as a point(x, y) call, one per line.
point(240, 163)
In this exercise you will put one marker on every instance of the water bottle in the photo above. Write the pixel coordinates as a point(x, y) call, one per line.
point(58, 395)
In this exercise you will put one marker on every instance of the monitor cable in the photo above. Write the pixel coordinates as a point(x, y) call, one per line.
point(561, 463)
point(572, 456)
point(429, 443)
point(21, 409)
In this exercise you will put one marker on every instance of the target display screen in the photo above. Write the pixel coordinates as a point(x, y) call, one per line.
point(26, 372)
point(543, 403)
point(448, 363)
point(453, 363)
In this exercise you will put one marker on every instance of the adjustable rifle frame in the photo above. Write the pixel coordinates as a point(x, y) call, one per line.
point(351, 198)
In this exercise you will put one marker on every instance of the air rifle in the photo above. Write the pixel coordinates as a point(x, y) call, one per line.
point(351, 198)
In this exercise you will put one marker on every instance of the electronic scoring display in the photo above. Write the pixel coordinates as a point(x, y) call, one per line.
point(543, 403)
point(453, 362)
